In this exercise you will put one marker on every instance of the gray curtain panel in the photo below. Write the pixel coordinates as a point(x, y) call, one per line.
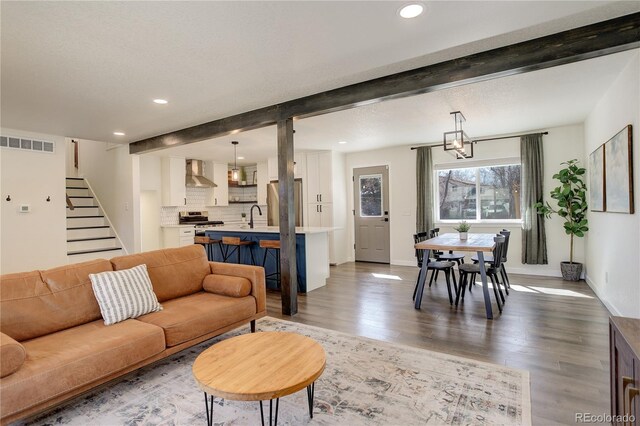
point(424, 178)
point(534, 239)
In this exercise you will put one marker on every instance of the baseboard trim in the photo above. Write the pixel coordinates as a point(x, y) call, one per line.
point(612, 309)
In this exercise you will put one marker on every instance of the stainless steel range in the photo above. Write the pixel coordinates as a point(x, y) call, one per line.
point(199, 219)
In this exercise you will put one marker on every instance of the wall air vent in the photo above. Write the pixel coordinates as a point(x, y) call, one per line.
point(27, 144)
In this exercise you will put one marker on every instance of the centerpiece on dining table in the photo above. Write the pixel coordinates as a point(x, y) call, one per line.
point(463, 229)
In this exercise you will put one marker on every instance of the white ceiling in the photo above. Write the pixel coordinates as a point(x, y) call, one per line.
point(86, 69)
point(533, 101)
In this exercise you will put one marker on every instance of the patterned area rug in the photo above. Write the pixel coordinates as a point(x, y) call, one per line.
point(365, 382)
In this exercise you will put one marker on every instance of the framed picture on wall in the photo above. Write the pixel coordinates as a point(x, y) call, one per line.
point(597, 194)
point(619, 172)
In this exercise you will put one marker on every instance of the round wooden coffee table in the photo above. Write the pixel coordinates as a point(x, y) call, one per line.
point(259, 367)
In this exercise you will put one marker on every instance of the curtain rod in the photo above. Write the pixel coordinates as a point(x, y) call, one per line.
point(485, 139)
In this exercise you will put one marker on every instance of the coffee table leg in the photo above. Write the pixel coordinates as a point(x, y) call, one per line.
point(261, 414)
point(310, 393)
point(208, 405)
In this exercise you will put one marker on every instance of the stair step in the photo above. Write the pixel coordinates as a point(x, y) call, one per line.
point(76, 187)
point(86, 200)
point(89, 239)
point(73, 253)
point(77, 191)
point(89, 220)
point(74, 178)
point(84, 217)
point(79, 232)
point(84, 211)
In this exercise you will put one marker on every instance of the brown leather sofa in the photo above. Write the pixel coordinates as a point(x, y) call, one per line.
point(54, 344)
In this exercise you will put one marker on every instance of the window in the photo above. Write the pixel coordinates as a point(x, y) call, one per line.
point(371, 195)
point(479, 193)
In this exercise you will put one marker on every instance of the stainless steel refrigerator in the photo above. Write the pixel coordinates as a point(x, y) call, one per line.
point(273, 200)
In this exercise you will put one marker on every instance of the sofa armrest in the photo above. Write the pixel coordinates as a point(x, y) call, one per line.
point(12, 355)
point(255, 275)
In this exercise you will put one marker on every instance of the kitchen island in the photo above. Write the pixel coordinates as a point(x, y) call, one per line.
point(312, 251)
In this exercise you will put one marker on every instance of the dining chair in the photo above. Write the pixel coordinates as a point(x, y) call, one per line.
point(435, 266)
point(492, 270)
point(489, 259)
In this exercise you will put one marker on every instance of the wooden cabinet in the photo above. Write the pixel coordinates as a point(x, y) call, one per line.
point(174, 192)
point(262, 180)
point(217, 172)
point(624, 335)
point(178, 236)
point(319, 177)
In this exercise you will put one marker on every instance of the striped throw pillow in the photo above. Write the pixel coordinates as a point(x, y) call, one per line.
point(124, 294)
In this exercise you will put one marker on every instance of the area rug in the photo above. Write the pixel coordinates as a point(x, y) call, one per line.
point(365, 382)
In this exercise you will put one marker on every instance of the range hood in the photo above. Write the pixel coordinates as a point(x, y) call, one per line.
point(195, 175)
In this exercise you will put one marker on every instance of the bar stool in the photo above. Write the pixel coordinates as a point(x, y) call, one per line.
point(232, 245)
point(271, 247)
point(207, 243)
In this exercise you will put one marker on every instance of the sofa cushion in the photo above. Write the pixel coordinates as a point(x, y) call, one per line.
point(12, 355)
point(174, 272)
point(195, 315)
point(227, 285)
point(68, 359)
point(124, 294)
point(37, 303)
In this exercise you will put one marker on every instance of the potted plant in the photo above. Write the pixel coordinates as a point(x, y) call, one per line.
point(571, 197)
point(463, 228)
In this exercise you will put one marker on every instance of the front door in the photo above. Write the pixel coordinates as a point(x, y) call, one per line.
point(371, 192)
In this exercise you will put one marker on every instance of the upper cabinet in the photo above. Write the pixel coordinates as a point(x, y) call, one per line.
point(217, 172)
point(299, 168)
point(174, 191)
point(319, 177)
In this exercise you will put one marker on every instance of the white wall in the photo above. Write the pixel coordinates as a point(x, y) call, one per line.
point(613, 243)
point(35, 240)
point(402, 199)
point(114, 176)
point(561, 144)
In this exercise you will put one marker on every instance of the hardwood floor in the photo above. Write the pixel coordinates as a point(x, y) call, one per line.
point(557, 330)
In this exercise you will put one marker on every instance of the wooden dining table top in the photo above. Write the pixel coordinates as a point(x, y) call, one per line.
point(452, 241)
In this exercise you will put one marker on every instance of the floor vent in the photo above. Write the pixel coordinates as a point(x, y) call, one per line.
point(27, 144)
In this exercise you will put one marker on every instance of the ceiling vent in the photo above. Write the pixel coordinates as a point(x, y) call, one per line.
point(27, 144)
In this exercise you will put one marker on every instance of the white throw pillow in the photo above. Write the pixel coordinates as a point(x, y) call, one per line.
point(124, 294)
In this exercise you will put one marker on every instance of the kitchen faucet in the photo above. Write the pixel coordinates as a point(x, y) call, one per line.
point(251, 215)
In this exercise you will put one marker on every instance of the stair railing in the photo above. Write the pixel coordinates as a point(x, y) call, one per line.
point(69, 203)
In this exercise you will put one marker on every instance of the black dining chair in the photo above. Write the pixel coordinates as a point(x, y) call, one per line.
point(435, 266)
point(489, 259)
point(492, 270)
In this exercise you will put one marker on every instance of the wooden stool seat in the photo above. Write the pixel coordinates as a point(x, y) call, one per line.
point(270, 244)
point(236, 243)
point(207, 243)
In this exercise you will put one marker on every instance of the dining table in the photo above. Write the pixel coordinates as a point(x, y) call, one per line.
point(479, 243)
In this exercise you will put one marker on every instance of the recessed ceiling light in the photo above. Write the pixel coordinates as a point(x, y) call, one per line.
point(118, 133)
point(411, 10)
point(161, 101)
point(342, 142)
point(240, 158)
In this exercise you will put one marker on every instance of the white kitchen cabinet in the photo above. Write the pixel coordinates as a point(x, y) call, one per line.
point(319, 177)
point(177, 236)
point(217, 172)
point(300, 168)
point(262, 181)
point(174, 192)
point(320, 214)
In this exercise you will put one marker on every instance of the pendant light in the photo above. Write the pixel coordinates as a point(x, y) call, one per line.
point(457, 141)
point(235, 175)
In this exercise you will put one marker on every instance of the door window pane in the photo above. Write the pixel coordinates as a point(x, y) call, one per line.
point(500, 192)
point(371, 195)
point(457, 189)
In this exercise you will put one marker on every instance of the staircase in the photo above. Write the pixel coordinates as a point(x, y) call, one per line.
point(89, 235)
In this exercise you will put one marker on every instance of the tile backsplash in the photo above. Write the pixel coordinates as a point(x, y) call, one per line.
point(198, 197)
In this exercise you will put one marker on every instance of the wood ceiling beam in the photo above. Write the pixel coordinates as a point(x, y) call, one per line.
point(599, 39)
